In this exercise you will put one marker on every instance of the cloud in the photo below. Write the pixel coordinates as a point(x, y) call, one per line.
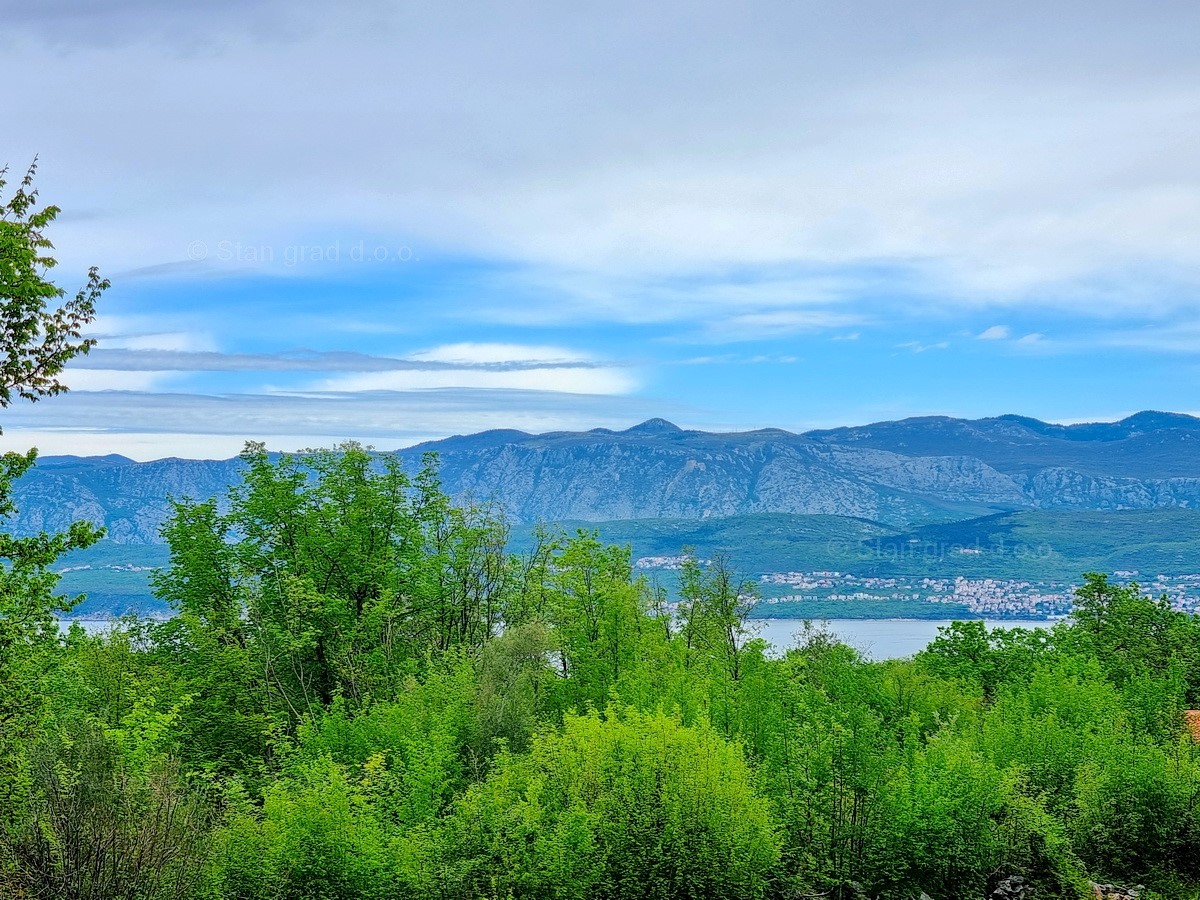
point(484, 353)
point(171, 342)
point(1036, 341)
point(101, 379)
point(565, 380)
point(995, 333)
point(465, 365)
point(753, 326)
point(67, 24)
point(328, 361)
point(500, 186)
point(919, 347)
point(547, 296)
point(1182, 337)
point(1026, 159)
point(161, 424)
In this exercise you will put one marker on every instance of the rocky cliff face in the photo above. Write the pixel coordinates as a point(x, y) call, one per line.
point(614, 479)
point(131, 500)
point(1065, 488)
point(898, 473)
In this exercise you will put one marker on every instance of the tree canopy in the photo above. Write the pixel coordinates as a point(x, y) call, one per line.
point(41, 331)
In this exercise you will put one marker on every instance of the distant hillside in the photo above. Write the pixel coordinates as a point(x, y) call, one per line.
point(1053, 543)
point(1145, 446)
point(1056, 545)
point(1030, 544)
point(903, 475)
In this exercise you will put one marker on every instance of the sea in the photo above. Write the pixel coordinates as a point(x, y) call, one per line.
point(878, 639)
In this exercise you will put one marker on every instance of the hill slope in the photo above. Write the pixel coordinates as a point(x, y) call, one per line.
point(901, 474)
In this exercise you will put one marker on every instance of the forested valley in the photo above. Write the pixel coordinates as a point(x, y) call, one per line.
point(362, 695)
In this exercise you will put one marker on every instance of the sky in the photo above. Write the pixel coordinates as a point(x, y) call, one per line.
point(393, 222)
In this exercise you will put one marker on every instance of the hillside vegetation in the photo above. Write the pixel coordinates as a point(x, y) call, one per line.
point(1057, 544)
point(336, 711)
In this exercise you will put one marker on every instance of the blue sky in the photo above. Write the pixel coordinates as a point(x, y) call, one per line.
point(399, 221)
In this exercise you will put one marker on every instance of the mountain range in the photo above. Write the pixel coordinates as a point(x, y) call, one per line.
point(903, 474)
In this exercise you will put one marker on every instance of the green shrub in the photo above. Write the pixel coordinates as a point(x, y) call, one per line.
point(621, 805)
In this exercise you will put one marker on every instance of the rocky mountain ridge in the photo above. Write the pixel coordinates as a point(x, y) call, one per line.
point(902, 474)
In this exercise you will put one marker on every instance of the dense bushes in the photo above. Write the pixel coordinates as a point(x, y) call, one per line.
point(104, 816)
point(626, 805)
point(336, 713)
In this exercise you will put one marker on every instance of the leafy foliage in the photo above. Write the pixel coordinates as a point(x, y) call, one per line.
point(621, 805)
point(36, 341)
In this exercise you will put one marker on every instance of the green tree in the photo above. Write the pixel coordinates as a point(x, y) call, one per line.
point(1134, 634)
point(714, 604)
point(597, 613)
point(337, 572)
point(621, 805)
point(38, 336)
point(92, 801)
point(315, 837)
point(105, 815)
point(972, 652)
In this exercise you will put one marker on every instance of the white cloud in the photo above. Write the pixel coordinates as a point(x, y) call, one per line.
point(996, 161)
point(477, 353)
point(178, 341)
point(164, 330)
point(139, 445)
point(150, 425)
point(1179, 337)
point(113, 379)
point(995, 333)
point(774, 323)
point(697, 173)
point(325, 361)
point(590, 380)
point(919, 347)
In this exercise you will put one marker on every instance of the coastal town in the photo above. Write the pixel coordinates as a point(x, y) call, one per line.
point(995, 598)
point(989, 597)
